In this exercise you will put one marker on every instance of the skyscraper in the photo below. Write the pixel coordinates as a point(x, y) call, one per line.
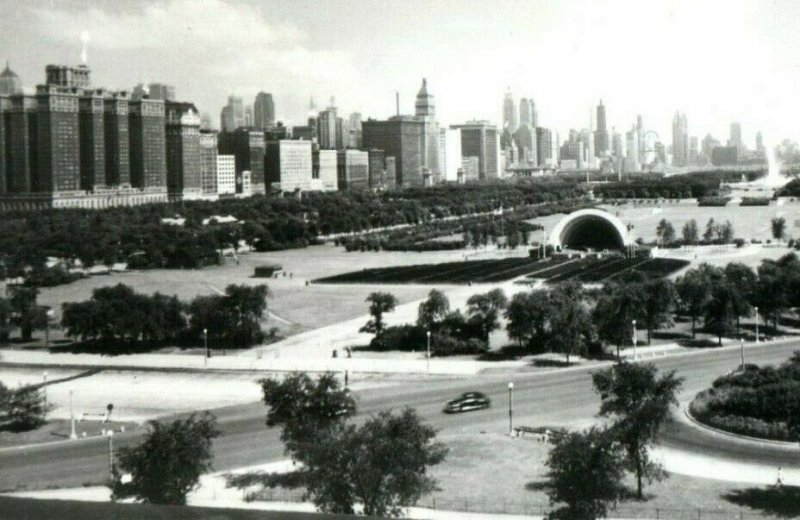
point(184, 170)
point(249, 148)
point(736, 138)
point(117, 139)
point(5, 104)
point(161, 91)
point(326, 127)
point(632, 163)
point(601, 134)
point(208, 164)
point(263, 111)
point(479, 139)
point(148, 143)
point(58, 132)
point(232, 116)
point(680, 140)
point(424, 110)
point(400, 137)
point(760, 143)
point(509, 113)
point(525, 112)
point(356, 134)
point(10, 83)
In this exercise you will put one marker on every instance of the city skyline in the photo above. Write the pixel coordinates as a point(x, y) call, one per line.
point(289, 51)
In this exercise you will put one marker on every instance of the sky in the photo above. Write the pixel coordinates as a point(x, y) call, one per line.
point(717, 61)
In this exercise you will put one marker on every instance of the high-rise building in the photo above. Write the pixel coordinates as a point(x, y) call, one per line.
point(161, 91)
point(526, 110)
point(22, 140)
point(184, 171)
point(760, 143)
point(356, 134)
point(377, 169)
point(10, 83)
point(708, 145)
point(424, 110)
point(93, 148)
point(601, 134)
point(324, 168)
point(509, 112)
point(263, 111)
point(342, 133)
point(616, 144)
point(640, 135)
point(232, 116)
point(352, 169)
point(526, 143)
point(208, 164)
point(442, 155)
point(680, 140)
point(326, 127)
point(226, 175)
point(58, 157)
point(148, 143)
point(288, 166)
point(632, 163)
point(725, 156)
point(400, 137)
point(736, 138)
point(544, 147)
point(479, 139)
point(390, 181)
point(248, 116)
point(117, 139)
point(694, 152)
point(5, 105)
point(248, 146)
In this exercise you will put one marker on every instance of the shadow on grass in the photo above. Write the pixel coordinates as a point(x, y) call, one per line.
point(670, 335)
point(782, 501)
point(505, 353)
point(560, 363)
point(290, 480)
point(698, 343)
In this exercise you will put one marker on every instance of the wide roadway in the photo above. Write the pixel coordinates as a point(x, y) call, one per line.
point(559, 398)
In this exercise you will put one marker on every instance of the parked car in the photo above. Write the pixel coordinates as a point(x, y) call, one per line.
point(467, 402)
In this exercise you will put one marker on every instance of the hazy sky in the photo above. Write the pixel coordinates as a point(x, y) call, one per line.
point(717, 61)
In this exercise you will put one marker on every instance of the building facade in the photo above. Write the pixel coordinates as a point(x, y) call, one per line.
point(352, 170)
point(209, 144)
point(401, 137)
point(226, 175)
point(288, 166)
point(249, 147)
point(263, 111)
point(479, 139)
point(148, 144)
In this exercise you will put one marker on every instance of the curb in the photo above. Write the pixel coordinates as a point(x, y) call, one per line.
point(738, 436)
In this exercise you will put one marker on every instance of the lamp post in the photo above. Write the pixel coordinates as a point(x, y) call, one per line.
point(44, 389)
point(511, 409)
point(72, 434)
point(205, 345)
point(428, 362)
point(756, 324)
point(110, 434)
point(634, 340)
point(741, 349)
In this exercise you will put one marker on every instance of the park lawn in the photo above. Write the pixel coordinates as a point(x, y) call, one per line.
point(489, 473)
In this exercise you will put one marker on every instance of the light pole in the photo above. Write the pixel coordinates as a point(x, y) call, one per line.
point(756, 324)
point(741, 348)
point(634, 340)
point(428, 363)
point(44, 389)
point(72, 434)
point(205, 345)
point(110, 434)
point(511, 409)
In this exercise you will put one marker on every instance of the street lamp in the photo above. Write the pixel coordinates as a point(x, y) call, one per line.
point(110, 434)
point(510, 409)
point(205, 344)
point(741, 348)
point(756, 324)
point(428, 364)
point(72, 434)
point(634, 340)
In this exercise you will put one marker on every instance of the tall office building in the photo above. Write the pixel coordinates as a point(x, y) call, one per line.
point(601, 134)
point(21, 139)
point(544, 147)
point(184, 170)
point(161, 91)
point(526, 111)
point(326, 127)
point(226, 175)
point(442, 155)
point(400, 137)
point(736, 138)
point(640, 135)
point(356, 138)
point(377, 169)
point(424, 110)
point(5, 104)
point(708, 145)
point(117, 139)
point(232, 116)
point(760, 143)
point(342, 132)
point(616, 144)
point(208, 164)
point(680, 140)
point(58, 159)
point(147, 132)
point(352, 169)
point(632, 163)
point(694, 152)
point(248, 146)
point(479, 139)
point(93, 147)
point(288, 166)
point(10, 84)
point(263, 111)
point(509, 113)
point(324, 168)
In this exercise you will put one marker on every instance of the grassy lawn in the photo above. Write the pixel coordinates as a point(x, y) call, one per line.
point(490, 472)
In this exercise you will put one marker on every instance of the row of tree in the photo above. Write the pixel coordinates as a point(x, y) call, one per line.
point(21, 311)
point(715, 232)
point(118, 316)
point(137, 235)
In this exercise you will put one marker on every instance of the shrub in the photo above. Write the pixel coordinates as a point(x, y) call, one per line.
point(713, 201)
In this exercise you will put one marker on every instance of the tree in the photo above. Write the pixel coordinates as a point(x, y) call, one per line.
point(585, 473)
point(24, 408)
point(432, 311)
point(639, 402)
point(725, 234)
point(778, 228)
point(28, 316)
point(710, 233)
point(659, 303)
point(665, 232)
point(484, 310)
point(380, 303)
point(571, 329)
point(619, 304)
point(689, 232)
point(527, 314)
point(6, 311)
point(382, 465)
point(720, 309)
point(168, 464)
point(246, 307)
point(307, 410)
point(694, 289)
point(743, 281)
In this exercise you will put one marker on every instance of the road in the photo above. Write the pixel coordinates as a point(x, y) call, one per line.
point(563, 397)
